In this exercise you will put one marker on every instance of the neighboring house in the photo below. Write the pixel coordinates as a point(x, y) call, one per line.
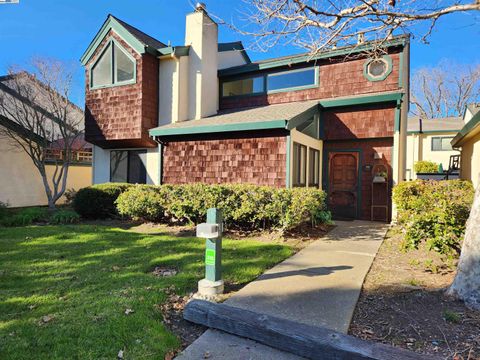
point(429, 139)
point(203, 112)
point(468, 140)
point(20, 182)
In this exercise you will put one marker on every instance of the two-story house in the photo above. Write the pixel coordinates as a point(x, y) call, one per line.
point(204, 112)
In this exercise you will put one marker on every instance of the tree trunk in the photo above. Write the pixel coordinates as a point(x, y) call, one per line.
point(466, 285)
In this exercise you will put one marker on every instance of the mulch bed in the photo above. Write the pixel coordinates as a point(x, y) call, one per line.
point(403, 303)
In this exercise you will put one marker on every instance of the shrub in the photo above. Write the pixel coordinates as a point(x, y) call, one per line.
point(434, 212)
point(426, 167)
point(98, 201)
point(69, 196)
point(26, 216)
point(142, 202)
point(3, 210)
point(244, 206)
point(64, 217)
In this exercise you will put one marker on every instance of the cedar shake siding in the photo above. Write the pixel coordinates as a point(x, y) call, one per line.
point(372, 121)
point(336, 79)
point(255, 160)
point(120, 116)
point(368, 148)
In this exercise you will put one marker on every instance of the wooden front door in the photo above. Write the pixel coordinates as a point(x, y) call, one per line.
point(343, 184)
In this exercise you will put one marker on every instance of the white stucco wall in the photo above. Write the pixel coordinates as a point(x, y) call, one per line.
point(202, 35)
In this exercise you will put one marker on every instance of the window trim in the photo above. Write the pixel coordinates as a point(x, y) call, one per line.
point(293, 88)
point(440, 137)
point(113, 74)
point(265, 83)
point(388, 61)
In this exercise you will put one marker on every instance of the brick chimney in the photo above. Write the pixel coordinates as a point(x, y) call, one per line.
point(201, 34)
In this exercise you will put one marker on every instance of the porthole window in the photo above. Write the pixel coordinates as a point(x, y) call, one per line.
point(378, 69)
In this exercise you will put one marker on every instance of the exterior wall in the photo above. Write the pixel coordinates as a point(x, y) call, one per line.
point(201, 33)
point(359, 122)
point(254, 160)
point(470, 160)
point(121, 115)
point(21, 184)
point(367, 149)
point(419, 148)
point(336, 79)
point(309, 142)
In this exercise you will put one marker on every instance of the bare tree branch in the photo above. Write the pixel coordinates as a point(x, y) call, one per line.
point(37, 117)
point(444, 90)
point(318, 25)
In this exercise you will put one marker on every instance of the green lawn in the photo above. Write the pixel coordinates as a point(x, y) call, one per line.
point(64, 289)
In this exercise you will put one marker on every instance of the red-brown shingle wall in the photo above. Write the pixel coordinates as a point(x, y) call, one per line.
point(259, 160)
point(336, 79)
point(368, 149)
point(359, 122)
point(121, 115)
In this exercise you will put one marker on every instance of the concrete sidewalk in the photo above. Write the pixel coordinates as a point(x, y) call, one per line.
point(319, 286)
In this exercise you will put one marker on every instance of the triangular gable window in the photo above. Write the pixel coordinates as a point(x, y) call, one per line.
point(114, 67)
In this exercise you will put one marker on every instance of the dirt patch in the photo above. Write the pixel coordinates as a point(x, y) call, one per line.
point(403, 304)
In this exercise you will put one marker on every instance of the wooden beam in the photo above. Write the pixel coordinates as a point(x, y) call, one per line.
point(299, 339)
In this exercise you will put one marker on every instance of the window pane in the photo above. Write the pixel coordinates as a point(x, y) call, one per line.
point(243, 86)
point(446, 145)
point(118, 166)
point(313, 169)
point(102, 70)
point(124, 66)
point(299, 164)
point(377, 67)
point(291, 79)
point(441, 143)
point(137, 173)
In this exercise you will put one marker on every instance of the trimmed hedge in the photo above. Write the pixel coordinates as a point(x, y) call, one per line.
point(434, 212)
point(244, 207)
point(426, 166)
point(98, 201)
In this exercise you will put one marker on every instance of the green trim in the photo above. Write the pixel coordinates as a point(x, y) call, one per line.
point(235, 46)
point(112, 69)
point(398, 114)
point(325, 182)
point(202, 129)
point(111, 24)
point(176, 51)
point(382, 77)
point(297, 59)
point(304, 116)
point(361, 100)
point(470, 126)
point(288, 170)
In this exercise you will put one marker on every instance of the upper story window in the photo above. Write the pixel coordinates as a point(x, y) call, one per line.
point(114, 67)
point(442, 143)
point(290, 80)
point(377, 69)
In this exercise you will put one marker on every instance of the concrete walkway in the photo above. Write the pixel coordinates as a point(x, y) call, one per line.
point(319, 286)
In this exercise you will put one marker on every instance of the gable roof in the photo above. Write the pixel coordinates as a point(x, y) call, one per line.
point(470, 128)
point(137, 39)
point(418, 125)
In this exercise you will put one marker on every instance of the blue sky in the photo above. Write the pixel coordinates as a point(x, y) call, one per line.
point(63, 30)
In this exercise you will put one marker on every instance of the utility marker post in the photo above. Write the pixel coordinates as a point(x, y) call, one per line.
point(212, 231)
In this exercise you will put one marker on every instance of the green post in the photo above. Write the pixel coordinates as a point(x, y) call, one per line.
point(213, 250)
